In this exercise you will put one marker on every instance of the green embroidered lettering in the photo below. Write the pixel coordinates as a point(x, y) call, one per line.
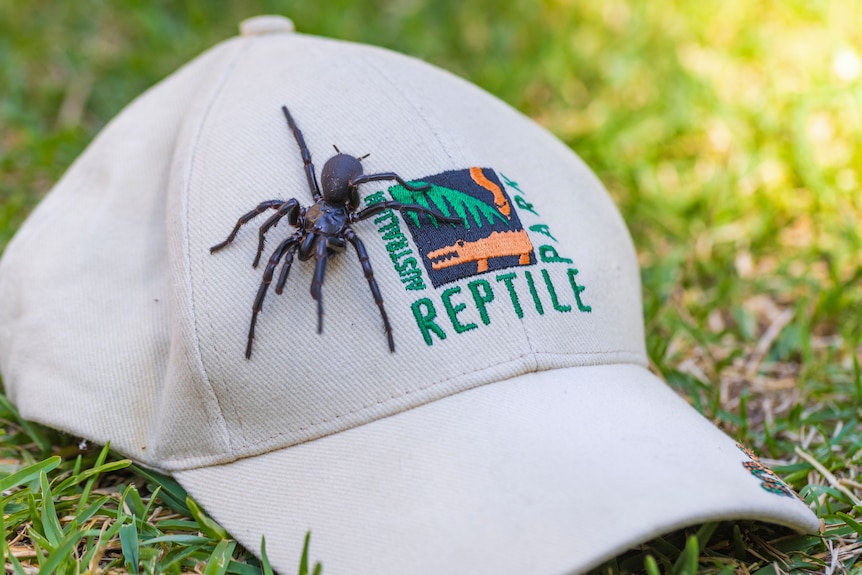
point(413, 281)
point(407, 264)
point(549, 254)
point(374, 198)
point(510, 183)
point(578, 289)
point(454, 310)
point(508, 280)
point(399, 244)
point(534, 293)
point(408, 269)
point(425, 321)
point(542, 229)
point(386, 228)
point(553, 292)
point(395, 256)
point(391, 230)
point(524, 205)
point(482, 300)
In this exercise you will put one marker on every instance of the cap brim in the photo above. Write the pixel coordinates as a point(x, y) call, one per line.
point(549, 472)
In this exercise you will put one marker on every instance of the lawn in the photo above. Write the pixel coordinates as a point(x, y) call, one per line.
point(728, 133)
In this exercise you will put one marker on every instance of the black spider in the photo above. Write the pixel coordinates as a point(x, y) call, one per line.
point(323, 227)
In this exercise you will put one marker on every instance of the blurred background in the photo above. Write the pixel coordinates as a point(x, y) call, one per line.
point(727, 131)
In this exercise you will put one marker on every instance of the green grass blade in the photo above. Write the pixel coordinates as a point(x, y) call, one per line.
point(29, 428)
point(91, 474)
point(303, 561)
point(172, 493)
point(132, 503)
point(237, 568)
point(153, 498)
point(650, 566)
point(29, 473)
point(6, 551)
point(34, 515)
point(265, 566)
point(176, 557)
point(129, 544)
point(207, 525)
point(177, 538)
point(857, 375)
point(52, 529)
point(220, 558)
point(88, 487)
point(62, 553)
point(852, 523)
point(738, 545)
point(178, 525)
point(86, 514)
point(17, 569)
point(686, 563)
point(704, 534)
point(93, 545)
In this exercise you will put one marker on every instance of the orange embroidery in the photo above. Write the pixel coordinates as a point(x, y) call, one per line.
point(496, 245)
point(500, 201)
point(768, 479)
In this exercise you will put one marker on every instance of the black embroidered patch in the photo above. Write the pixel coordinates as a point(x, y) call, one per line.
point(490, 238)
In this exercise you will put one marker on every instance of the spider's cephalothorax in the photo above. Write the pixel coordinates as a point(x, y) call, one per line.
point(322, 228)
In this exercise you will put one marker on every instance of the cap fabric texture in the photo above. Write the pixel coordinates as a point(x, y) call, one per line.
point(515, 429)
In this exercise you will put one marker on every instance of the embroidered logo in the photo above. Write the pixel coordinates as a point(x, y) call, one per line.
point(768, 479)
point(490, 238)
point(499, 230)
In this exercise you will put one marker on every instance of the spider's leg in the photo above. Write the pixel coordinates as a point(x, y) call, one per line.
point(364, 260)
point(375, 209)
point(389, 176)
point(264, 286)
point(288, 261)
point(290, 208)
point(262, 207)
point(306, 156)
point(320, 256)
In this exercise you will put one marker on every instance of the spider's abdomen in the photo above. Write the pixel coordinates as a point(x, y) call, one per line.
point(324, 218)
point(337, 173)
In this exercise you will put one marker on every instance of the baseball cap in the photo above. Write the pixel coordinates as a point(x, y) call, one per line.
point(461, 385)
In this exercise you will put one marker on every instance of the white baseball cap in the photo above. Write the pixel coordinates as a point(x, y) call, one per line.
point(515, 428)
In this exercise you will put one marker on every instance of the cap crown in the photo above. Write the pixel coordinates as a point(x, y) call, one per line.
point(540, 275)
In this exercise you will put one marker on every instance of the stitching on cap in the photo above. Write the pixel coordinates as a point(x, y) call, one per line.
point(422, 114)
point(420, 111)
point(448, 379)
point(634, 359)
point(187, 251)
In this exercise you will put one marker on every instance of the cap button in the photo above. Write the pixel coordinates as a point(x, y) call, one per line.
point(260, 25)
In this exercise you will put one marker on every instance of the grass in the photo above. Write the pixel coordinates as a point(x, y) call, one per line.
point(727, 132)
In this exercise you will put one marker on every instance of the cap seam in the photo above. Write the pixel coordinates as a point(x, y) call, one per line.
point(628, 357)
point(422, 113)
point(187, 251)
point(462, 157)
point(533, 351)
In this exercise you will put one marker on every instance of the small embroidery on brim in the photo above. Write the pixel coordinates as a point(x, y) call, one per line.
point(768, 479)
